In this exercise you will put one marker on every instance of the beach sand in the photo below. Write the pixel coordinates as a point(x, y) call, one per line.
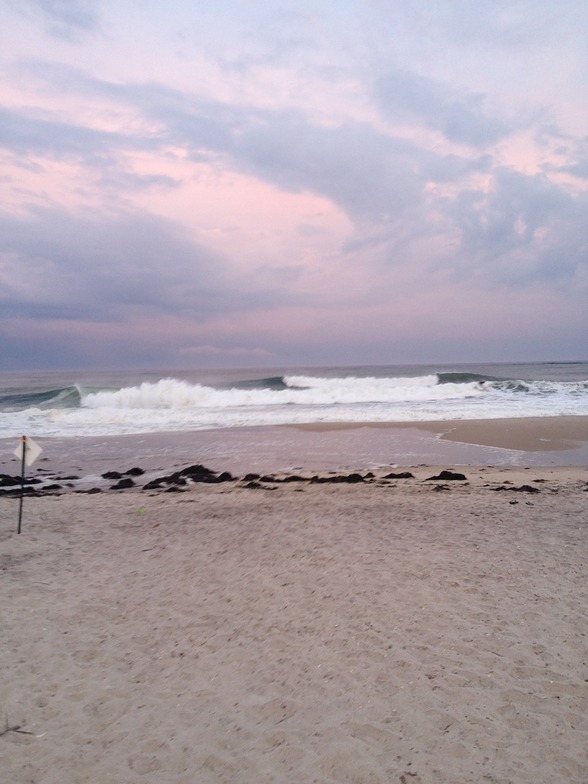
point(392, 630)
point(530, 434)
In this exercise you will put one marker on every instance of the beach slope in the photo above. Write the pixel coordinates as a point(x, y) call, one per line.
point(390, 630)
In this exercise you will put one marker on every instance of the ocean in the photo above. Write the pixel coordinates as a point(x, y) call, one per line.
point(97, 403)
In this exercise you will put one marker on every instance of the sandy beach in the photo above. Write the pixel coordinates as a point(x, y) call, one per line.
point(387, 630)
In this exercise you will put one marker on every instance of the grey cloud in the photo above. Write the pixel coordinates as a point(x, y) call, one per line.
point(268, 39)
point(102, 267)
point(178, 115)
point(24, 134)
point(578, 169)
point(358, 168)
point(577, 155)
point(66, 19)
point(126, 181)
point(26, 137)
point(375, 177)
point(526, 229)
point(502, 24)
point(366, 172)
point(98, 268)
point(405, 95)
point(369, 174)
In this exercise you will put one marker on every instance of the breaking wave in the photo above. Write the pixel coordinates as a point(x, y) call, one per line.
point(173, 404)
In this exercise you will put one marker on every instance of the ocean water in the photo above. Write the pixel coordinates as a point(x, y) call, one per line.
point(97, 404)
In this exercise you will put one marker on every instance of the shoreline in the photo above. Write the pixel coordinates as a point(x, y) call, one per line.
point(547, 441)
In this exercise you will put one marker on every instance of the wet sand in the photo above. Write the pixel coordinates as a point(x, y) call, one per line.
point(547, 441)
point(532, 434)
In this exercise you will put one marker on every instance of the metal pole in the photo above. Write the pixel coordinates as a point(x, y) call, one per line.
point(22, 479)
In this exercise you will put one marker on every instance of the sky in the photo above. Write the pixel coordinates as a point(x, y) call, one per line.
point(239, 183)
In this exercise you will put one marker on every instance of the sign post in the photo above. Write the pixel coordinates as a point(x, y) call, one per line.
point(28, 451)
point(22, 479)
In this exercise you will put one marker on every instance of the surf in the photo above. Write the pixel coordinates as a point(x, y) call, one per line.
point(234, 399)
point(66, 397)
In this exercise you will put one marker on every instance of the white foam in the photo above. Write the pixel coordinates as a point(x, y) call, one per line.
point(301, 390)
point(174, 405)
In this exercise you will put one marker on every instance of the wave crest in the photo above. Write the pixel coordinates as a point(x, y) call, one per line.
point(171, 393)
point(172, 404)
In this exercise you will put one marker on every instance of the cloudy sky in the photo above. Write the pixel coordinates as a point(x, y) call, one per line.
point(209, 183)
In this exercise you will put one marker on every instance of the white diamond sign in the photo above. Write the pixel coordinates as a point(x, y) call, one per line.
point(32, 450)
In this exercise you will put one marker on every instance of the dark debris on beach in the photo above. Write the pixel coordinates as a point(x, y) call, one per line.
point(179, 481)
point(174, 482)
point(445, 476)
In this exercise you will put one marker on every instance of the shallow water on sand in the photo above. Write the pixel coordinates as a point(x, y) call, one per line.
point(267, 449)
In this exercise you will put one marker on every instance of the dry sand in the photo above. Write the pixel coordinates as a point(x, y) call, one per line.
point(386, 631)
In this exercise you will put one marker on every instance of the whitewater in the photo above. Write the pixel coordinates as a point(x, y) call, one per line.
point(57, 405)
